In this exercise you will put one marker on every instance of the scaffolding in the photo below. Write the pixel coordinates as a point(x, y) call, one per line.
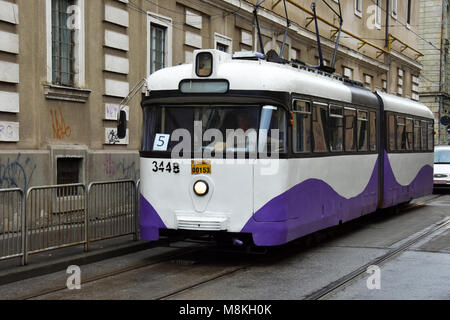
point(361, 41)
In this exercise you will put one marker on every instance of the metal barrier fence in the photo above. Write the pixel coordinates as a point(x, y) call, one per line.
point(56, 217)
point(112, 209)
point(53, 217)
point(12, 223)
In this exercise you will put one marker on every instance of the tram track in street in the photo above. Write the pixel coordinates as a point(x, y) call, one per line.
point(183, 256)
point(341, 283)
point(161, 258)
point(335, 285)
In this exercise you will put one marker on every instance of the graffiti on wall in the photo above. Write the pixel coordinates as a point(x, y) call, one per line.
point(16, 172)
point(9, 131)
point(60, 129)
point(120, 170)
point(128, 171)
point(111, 137)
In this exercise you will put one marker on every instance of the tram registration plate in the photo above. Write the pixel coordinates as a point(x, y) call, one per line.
point(201, 167)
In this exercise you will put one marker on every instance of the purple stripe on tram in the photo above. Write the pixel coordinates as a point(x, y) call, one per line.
point(313, 205)
point(150, 221)
point(395, 193)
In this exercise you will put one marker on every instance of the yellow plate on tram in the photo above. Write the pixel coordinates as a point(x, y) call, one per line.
point(201, 167)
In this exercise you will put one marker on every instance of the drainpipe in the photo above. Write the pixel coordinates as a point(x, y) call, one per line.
point(441, 64)
point(386, 36)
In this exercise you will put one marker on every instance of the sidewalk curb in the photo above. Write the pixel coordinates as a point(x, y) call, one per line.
point(34, 270)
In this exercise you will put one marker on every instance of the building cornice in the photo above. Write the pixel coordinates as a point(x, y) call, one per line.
point(55, 92)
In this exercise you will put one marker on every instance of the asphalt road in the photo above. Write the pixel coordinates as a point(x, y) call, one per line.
point(291, 272)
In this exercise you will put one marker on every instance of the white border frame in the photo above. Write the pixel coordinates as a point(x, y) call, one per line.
point(165, 22)
point(358, 13)
point(227, 41)
point(378, 14)
point(394, 15)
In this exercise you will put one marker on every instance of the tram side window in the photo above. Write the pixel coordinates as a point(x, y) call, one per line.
point(430, 136)
point(424, 135)
point(272, 135)
point(320, 112)
point(391, 132)
point(373, 131)
point(350, 126)
point(409, 134)
point(302, 126)
point(363, 122)
point(417, 138)
point(336, 128)
point(401, 133)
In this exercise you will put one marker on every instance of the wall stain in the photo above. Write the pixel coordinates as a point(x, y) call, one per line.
point(110, 170)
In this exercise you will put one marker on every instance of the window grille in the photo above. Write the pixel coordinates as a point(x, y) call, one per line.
point(158, 49)
point(63, 44)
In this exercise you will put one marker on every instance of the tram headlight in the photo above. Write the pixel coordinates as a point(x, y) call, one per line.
point(201, 188)
point(204, 64)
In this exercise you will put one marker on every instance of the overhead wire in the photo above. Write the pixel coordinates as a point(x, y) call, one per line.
point(225, 12)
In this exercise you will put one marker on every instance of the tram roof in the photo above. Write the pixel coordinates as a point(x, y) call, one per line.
point(257, 75)
point(261, 75)
point(407, 106)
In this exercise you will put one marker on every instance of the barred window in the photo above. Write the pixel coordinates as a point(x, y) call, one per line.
point(158, 49)
point(378, 14)
point(394, 8)
point(63, 57)
point(358, 8)
point(408, 13)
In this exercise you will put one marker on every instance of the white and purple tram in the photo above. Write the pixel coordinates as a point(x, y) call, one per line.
point(341, 151)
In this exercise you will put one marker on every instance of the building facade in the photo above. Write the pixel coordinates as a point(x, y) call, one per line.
point(435, 77)
point(66, 65)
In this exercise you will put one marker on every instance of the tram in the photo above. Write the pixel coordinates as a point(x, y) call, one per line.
point(262, 152)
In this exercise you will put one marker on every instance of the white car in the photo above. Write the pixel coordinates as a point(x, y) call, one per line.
point(441, 178)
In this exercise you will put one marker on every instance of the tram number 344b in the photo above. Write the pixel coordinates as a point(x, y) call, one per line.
point(166, 167)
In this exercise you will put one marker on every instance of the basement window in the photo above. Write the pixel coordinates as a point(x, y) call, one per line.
point(68, 172)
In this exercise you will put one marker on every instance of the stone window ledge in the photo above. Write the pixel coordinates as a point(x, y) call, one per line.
point(55, 92)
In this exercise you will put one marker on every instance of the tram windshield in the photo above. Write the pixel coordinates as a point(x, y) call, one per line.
point(261, 128)
point(442, 156)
